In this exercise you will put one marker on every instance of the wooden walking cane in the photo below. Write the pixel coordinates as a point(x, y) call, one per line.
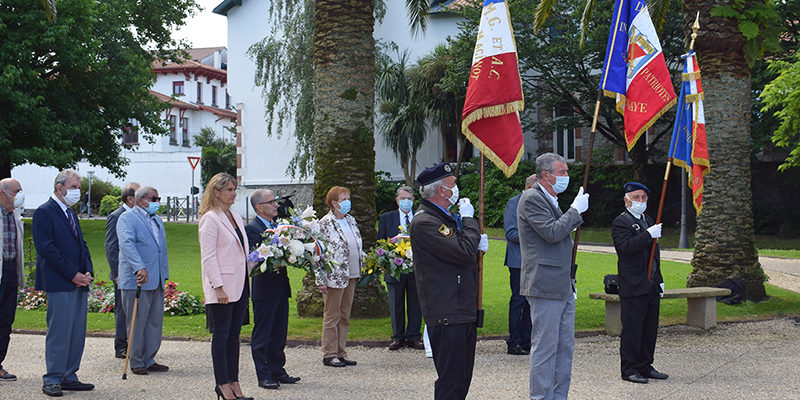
point(130, 334)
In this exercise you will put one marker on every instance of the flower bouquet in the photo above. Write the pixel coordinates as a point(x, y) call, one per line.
point(295, 242)
point(391, 256)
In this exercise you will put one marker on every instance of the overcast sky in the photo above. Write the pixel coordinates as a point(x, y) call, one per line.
point(205, 29)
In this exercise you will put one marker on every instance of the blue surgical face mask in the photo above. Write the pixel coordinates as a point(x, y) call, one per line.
point(344, 206)
point(152, 208)
point(405, 204)
point(561, 184)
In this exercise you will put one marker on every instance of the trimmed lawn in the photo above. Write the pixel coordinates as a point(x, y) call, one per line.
point(184, 257)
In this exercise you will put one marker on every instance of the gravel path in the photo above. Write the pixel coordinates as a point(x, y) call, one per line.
point(740, 360)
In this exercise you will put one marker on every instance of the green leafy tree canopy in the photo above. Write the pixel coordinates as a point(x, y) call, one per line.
point(69, 87)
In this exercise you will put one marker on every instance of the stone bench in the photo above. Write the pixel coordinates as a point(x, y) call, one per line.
point(701, 307)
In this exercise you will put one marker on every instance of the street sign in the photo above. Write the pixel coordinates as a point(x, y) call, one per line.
point(193, 161)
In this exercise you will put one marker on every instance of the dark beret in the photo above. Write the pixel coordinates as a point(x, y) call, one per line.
point(433, 174)
point(631, 186)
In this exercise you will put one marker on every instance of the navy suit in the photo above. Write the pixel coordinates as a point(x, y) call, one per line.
point(519, 311)
point(403, 291)
point(60, 254)
point(271, 293)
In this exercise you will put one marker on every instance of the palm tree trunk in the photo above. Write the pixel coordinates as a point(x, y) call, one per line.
point(344, 142)
point(725, 239)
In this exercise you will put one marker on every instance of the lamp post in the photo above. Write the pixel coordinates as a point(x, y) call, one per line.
point(89, 198)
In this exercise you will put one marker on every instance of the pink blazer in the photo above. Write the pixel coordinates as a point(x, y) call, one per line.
point(222, 257)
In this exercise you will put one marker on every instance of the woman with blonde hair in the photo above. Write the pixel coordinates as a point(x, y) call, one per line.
point(223, 251)
point(338, 286)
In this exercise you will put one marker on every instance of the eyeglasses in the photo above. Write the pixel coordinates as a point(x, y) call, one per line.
point(156, 199)
point(273, 201)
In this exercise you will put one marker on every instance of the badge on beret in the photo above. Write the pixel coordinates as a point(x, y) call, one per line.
point(447, 168)
point(445, 231)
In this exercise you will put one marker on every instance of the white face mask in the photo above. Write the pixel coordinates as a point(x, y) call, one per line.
point(19, 199)
point(73, 197)
point(637, 208)
point(453, 197)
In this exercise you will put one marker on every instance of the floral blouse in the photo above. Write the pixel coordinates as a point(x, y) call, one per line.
point(337, 245)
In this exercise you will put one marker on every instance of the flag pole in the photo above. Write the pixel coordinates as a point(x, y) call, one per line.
point(480, 253)
point(695, 28)
point(591, 139)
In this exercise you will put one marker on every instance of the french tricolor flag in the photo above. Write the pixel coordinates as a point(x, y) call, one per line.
point(494, 93)
point(634, 71)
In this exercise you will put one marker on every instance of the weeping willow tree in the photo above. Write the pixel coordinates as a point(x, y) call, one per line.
point(317, 67)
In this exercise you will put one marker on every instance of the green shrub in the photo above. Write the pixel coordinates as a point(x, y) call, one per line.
point(108, 204)
point(100, 189)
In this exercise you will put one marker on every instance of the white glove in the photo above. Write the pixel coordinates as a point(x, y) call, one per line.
point(581, 202)
point(483, 245)
point(654, 231)
point(465, 208)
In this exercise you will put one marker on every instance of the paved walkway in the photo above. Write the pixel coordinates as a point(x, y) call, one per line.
point(740, 360)
point(736, 360)
point(782, 272)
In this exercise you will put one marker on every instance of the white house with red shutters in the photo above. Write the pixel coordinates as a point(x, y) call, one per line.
point(197, 91)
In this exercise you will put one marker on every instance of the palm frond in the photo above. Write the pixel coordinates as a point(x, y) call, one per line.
point(658, 11)
point(417, 15)
point(50, 9)
point(543, 11)
point(585, 18)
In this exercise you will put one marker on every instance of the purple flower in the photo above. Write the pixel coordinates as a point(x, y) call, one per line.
point(254, 257)
point(393, 240)
point(274, 239)
point(398, 261)
point(380, 251)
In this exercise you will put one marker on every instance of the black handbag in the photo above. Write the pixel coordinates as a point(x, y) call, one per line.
point(610, 283)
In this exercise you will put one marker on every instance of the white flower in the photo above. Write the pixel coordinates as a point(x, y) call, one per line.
point(292, 259)
point(264, 251)
point(310, 247)
point(308, 213)
point(263, 268)
point(299, 234)
point(409, 253)
point(315, 258)
point(296, 248)
point(313, 226)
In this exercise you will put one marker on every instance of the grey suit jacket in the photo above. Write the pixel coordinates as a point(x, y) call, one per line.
point(112, 242)
point(546, 245)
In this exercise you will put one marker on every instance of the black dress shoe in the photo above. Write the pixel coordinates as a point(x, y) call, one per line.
point(268, 383)
point(52, 390)
point(416, 344)
point(656, 375)
point(635, 378)
point(331, 363)
point(395, 345)
point(156, 367)
point(518, 350)
point(287, 379)
point(77, 386)
point(139, 370)
point(120, 354)
point(348, 362)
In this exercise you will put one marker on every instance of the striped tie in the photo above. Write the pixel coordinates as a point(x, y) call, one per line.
point(72, 222)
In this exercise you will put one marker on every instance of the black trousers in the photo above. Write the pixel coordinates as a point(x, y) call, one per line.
point(8, 305)
point(226, 324)
point(519, 314)
point(267, 343)
point(637, 343)
point(454, 357)
point(120, 323)
point(402, 293)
